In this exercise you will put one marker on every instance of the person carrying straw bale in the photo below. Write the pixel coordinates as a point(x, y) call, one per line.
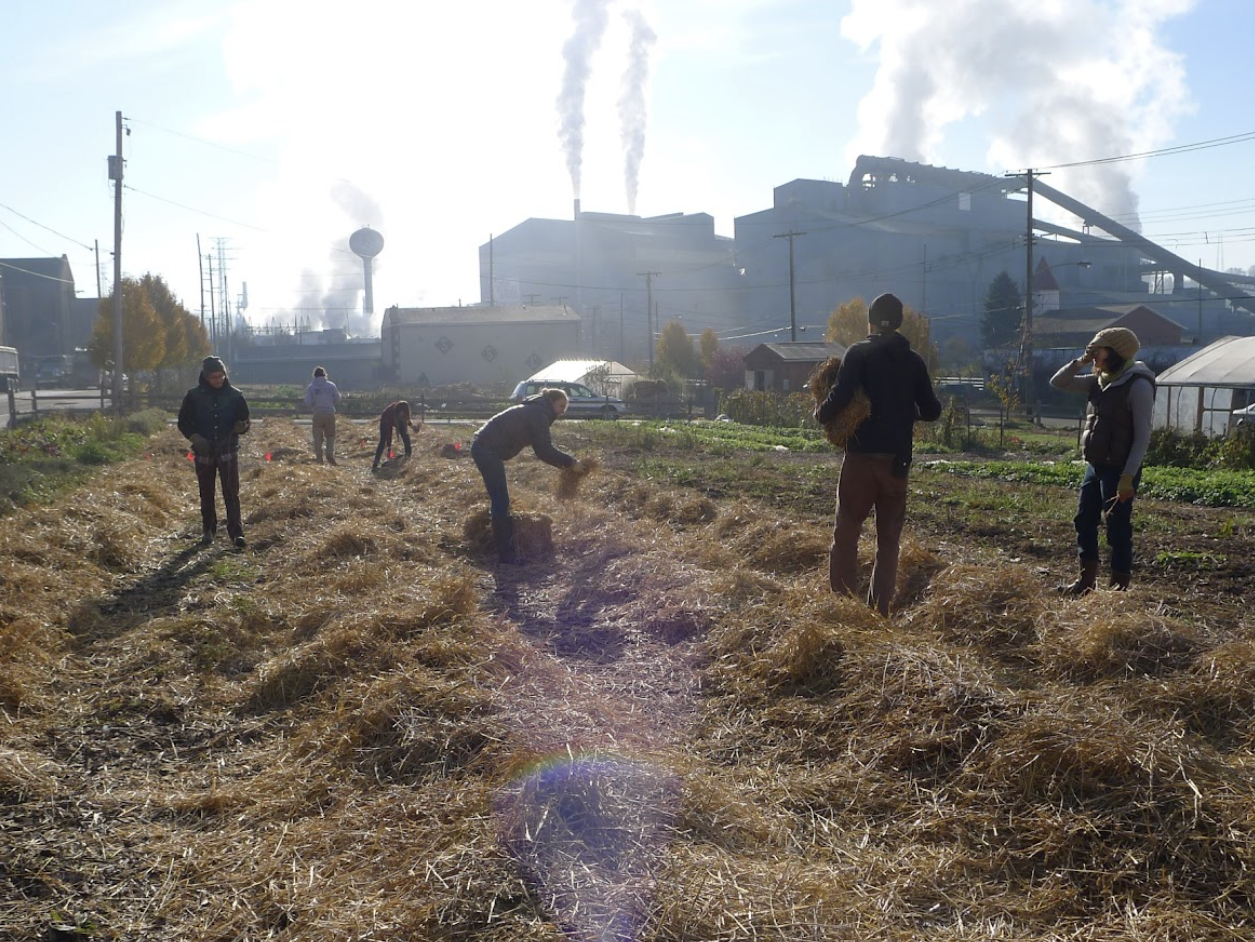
point(878, 451)
point(501, 438)
point(1121, 395)
point(213, 416)
point(396, 415)
point(322, 397)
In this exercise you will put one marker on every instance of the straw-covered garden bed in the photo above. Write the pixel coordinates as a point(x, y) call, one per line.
point(663, 727)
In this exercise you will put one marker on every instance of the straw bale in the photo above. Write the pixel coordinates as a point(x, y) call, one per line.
point(839, 429)
point(533, 533)
point(823, 378)
point(571, 479)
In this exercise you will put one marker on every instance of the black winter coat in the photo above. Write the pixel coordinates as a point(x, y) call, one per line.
point(509, 432)
point(897, 383)
point(213, 413)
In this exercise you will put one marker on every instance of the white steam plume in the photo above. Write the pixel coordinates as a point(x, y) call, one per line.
point(590, 18)
point(1053, 82)
point(633, 111)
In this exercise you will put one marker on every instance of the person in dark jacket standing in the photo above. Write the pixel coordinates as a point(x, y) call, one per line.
point(322, 396)
point(395, 416)
point(504, 436)
point(213, 416)
point(1121, 397)
point(878, 453)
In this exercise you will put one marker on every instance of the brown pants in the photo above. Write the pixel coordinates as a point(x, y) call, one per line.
point(324, 426)
point(867, 483)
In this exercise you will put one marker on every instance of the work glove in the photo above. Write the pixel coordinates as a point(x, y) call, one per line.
point(241, 427)
point(200, 444)
point(1125, 489)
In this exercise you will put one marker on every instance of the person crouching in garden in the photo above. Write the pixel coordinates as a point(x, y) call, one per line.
point(322, 396)
point(504, 436)
point(395, 416)
point(213, 416)
point(1121, 396)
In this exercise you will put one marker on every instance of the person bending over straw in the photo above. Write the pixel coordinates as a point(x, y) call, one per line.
point(504, 436)
point(396, 415)
point(878, 452)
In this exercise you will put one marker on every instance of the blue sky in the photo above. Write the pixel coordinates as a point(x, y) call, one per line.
point(281, 126)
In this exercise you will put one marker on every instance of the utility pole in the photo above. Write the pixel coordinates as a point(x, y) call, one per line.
point(200, 264)
point(213, 310)
point(649, 312)
point(791, 235)
point(492, 294)
point(98, 294)
point(115, 174)
point(622, 349)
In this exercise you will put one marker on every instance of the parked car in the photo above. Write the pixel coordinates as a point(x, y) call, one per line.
point(582, 400)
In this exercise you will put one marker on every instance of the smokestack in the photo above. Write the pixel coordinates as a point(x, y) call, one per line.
point(577, 208)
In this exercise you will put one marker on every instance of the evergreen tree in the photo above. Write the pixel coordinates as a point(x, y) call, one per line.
point(1000, 324)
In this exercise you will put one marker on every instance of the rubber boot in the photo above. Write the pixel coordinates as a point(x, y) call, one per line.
point(503, 536)
point(1086, 581)
point(1120, 581)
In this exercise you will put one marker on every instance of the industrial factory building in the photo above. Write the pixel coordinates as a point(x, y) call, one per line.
point(626, 275)
point(936, 237)
point(437, 346)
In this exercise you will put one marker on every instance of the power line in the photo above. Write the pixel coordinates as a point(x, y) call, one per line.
point(1163, 152)
point(193, 209)
point(42, 226)
point(201, 140)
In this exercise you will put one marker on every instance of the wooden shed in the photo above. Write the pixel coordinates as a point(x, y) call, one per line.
point(785, 367)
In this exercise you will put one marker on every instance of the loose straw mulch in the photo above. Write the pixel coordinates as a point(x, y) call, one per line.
point(570, 479)
point(838, 429)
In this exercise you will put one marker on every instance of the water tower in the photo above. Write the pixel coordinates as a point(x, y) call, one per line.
point(367, 243)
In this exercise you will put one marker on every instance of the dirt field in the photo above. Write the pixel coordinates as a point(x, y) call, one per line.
point(663, 727)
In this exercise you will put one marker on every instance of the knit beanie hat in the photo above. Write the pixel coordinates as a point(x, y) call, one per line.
point(886, 311)
point(1120, 339)
point(212, 365)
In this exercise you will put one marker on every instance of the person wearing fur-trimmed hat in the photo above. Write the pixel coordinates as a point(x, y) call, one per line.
point(1120, 393)
point(878, 452)
point(213, 416)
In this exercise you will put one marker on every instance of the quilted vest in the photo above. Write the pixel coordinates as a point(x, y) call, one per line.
point(1108, 435)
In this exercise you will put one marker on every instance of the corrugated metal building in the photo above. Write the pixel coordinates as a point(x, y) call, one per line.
point(438, 346)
